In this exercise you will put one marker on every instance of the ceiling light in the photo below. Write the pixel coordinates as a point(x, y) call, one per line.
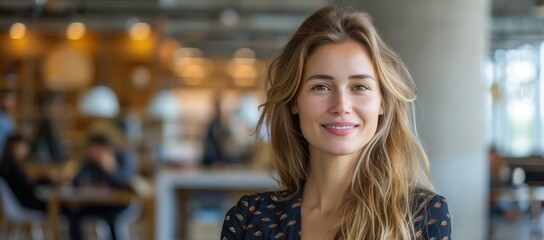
point(17, 31)
point(244, 56)
point(75, 30)
point(243, 67)
point(244, 53)
point(165, 106)
point(190, 64)
point(139, 31)
point(99, 101)
point(141, 76)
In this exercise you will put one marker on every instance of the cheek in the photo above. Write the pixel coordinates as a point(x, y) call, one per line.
point(369, 110)
point(311, 109)
point(309, 113)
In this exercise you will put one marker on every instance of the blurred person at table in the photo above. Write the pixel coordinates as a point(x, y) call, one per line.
point(349, 162)
point(104, 167)
point(8, 102)
point(217, 135)
point(47, 145)
point(24, 185)
point(12, 170)
point(500, 177)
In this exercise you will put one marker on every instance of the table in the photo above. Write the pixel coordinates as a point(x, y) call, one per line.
point(532, 194)
point(81, 197)
point(169, 182)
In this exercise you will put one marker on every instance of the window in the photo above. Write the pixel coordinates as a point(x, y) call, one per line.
point(516, 101)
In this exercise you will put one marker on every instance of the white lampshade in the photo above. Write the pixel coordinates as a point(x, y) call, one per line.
point(99, 101)
point(165, 106)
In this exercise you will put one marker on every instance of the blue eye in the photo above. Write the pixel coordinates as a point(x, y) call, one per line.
point(320, 87)
point(360, 88)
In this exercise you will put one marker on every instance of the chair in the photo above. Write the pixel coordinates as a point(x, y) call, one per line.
point(15, 214)
point(97, 227)
point(127, 217)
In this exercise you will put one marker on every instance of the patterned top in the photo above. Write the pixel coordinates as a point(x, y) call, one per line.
point(264, 216)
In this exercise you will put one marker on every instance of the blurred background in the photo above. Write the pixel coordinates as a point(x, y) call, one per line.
point(136, 116)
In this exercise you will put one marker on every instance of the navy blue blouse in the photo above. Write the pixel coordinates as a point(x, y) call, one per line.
point(264, 216)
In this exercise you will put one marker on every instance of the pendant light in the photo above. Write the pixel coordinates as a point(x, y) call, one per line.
point(164, 105)
point(100, 100)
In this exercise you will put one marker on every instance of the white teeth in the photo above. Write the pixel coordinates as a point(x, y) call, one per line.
point(339, 127)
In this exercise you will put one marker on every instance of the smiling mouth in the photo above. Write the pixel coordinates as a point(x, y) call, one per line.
point(340, 127)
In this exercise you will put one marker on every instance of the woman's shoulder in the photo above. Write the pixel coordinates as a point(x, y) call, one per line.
point(258, 212)
point(423, 198)
point(421, 194)
point(431, 215)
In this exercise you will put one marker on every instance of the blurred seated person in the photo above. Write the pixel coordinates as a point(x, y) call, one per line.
point(103, 167)
point(47, 145)
point(12, 170)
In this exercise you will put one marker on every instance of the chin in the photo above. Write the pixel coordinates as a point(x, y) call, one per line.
point(341, 150)
point(340, 154)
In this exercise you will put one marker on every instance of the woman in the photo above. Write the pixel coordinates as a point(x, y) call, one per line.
point(16, 151)
point(349, 161)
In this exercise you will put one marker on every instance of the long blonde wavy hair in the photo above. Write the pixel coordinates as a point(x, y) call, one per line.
point(392, 166)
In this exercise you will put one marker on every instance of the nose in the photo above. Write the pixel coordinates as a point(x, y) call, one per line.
point(341, 103)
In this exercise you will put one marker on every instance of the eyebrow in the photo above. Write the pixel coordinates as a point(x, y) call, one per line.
point(329, 77)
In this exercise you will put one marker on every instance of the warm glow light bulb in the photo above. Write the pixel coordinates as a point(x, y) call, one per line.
point(17, 31)
point(139, 31)
point(244, 53)
point(244, 56)
point(75, 31)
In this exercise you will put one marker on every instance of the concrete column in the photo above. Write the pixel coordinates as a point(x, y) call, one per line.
point(443, 44)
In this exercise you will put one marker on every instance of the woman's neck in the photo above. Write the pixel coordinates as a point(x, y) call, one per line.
point(327, 182)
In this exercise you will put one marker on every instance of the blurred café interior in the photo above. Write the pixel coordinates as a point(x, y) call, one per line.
point(165, 94)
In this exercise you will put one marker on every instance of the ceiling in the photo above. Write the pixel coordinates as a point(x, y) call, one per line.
point(517, 22)
point(215, 25)
point(260, 24)
point(512, 7)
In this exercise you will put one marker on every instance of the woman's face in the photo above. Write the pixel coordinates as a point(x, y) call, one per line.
point(339, 100)
point(20, 151)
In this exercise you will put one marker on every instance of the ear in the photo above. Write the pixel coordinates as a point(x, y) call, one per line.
point(294, 109)
point(381, 109)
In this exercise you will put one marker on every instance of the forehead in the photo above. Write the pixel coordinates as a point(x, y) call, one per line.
point(345, 58)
